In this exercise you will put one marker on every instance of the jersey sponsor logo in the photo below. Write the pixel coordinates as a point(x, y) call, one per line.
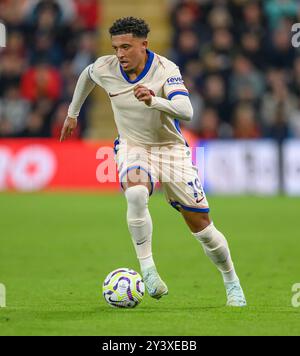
point(175, 81)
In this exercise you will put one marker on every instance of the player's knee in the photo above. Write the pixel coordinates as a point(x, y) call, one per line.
point(197, 221)
point(206, 235)
point(137, 177)
point(137, 196)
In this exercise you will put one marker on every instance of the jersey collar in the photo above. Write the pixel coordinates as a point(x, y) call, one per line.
point(144, 72)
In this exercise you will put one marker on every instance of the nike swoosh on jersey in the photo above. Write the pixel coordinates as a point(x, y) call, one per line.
point(112, 95)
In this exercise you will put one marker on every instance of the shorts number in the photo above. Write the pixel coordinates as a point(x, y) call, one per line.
point(197, 188)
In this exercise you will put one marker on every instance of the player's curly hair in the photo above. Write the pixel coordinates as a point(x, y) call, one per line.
point(138, 27)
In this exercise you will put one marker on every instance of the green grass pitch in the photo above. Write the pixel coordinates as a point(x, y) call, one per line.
point(56, 249)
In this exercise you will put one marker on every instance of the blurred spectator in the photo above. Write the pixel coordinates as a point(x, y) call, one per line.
point(45, 14)
point(278, 94)
point(14, 111)
point(41, 81)
point(279, 129)
point(253, 18)
point(217, 56)
point(188, 48)
point(88, 13)
point(186, 17)
point(215, 96)
point(69, 80)
point(209, 124)
point(11, 68)
point(35, 126)
point(245, 123)
point(229, 52)
point(13, 13)
point(195, 70)
point(219, 18)
point(281, 54)
point(15, 45)
point(45, 48)
point(5, 127)
point(246, 82)
point(252, 49)
point(86, 53)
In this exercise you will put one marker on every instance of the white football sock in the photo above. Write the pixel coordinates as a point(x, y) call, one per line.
point(216, 248)
point(140, 223)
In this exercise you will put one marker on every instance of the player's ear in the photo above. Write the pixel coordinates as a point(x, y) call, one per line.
point(145, 44)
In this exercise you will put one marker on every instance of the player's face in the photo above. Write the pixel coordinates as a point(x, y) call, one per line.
point(130, 51)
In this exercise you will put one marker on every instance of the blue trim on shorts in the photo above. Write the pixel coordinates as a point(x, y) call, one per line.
point(188, 208)
point(142, 169)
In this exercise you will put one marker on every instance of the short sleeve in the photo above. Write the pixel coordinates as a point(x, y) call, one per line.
point(174, 85)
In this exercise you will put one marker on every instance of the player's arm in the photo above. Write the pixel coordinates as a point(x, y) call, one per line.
point(179, 106)
point(176, 103)
point(83, 88)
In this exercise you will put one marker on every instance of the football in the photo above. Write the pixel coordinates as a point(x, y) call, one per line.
point(123, 288)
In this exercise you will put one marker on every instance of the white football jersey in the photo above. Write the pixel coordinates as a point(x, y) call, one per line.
point(136, 122)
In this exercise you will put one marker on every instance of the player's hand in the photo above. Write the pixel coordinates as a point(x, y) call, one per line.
point(143, 94)
point(70, 125)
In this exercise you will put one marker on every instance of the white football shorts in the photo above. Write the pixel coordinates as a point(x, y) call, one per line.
point(171, 166)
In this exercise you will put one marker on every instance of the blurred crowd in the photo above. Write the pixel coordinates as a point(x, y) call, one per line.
point(49, 43)
point(240, 67)
point(236, 56)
